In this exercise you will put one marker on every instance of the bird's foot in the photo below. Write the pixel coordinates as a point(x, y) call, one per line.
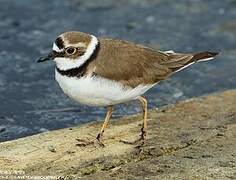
point(99, 140)
point(84, 142)
point(139, 140)
point(89, 142)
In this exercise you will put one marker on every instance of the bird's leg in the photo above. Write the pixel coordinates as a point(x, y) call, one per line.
point(105, 124)
point(143, 102)
point(83, 142)
point(143, 135)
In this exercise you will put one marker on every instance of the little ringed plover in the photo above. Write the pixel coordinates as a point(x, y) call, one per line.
point(105, 72)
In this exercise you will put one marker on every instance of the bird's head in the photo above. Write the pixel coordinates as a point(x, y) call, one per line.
point(71, 50)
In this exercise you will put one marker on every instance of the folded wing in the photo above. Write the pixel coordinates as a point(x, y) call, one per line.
point(133, 64)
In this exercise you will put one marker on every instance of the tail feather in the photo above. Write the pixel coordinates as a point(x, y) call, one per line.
point(177, 61)
point(204, 56)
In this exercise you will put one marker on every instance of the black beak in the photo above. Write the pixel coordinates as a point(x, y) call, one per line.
point(50, 56)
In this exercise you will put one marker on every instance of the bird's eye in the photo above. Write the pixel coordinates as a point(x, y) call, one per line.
point(70, 50)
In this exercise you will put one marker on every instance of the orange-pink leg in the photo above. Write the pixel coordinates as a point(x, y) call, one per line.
point(143, 135)
point(143, 102)
point(105, 124)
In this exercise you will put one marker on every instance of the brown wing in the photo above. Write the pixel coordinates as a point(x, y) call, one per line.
point(133, 64)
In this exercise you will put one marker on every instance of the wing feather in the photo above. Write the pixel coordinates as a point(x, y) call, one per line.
point(134, 64)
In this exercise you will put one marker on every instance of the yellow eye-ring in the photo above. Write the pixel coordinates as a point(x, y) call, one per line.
point(70, 50)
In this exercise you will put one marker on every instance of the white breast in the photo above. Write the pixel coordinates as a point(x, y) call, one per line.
point(97, 91)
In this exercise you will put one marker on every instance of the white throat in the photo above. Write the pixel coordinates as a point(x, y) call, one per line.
point(66, 64)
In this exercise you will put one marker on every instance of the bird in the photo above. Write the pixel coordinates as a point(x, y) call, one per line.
point(106, 72)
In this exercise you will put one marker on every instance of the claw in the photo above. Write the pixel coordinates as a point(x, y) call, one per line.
point(141, 139)
point(99, 139)
point(83, 142)
point(143, 134)
point(87, 142)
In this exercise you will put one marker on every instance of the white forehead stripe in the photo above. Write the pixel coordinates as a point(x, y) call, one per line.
point(55, 48)
point(65, 63)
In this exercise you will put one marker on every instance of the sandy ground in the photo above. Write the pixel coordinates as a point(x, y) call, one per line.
point(194, 139)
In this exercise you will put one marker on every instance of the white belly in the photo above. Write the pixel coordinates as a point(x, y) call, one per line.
point(97, 91)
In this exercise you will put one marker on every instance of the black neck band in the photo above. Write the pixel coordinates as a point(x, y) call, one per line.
point(80, 71)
